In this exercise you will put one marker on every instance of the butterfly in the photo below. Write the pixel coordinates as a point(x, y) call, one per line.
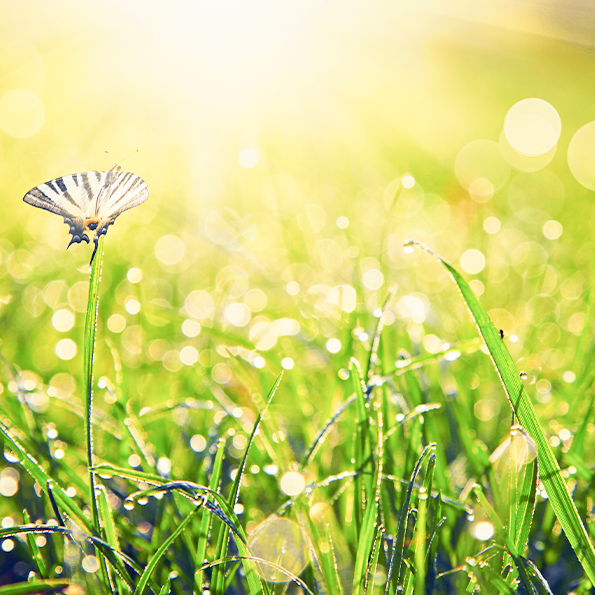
point(90, 201)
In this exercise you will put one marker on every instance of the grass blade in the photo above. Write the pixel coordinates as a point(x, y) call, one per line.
point(158, 555)
point(88, 357)
point(520, 402)
point(36, 586)
point(398, 553)
point(39, 474)
point(34, 549)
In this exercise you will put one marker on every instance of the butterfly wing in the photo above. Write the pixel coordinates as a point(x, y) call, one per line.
point(90, 201)
point(123, 191)
point(70, 197)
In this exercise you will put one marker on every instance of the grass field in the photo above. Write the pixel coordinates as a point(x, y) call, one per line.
point(345, 346)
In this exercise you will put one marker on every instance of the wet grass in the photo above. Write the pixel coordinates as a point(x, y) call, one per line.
point(383, 484)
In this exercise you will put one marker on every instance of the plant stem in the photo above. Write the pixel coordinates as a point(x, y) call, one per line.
point(88, 357)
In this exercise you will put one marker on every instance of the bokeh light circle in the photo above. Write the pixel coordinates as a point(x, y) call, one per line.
point(521, 162)
point(66, 349)
point(581, 155)
point(292, 483)
point(481, 169)
point(281, 542)
point(473, 261)
point(248, 158)
point(21, 113)
point(532, 126)
point(169, 249)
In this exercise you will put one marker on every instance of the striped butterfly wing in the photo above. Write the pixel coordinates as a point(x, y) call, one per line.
point(68, 196)
point(122, 191)
point(90, 201)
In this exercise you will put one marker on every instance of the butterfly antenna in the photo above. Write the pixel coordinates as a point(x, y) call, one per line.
point(119, 162)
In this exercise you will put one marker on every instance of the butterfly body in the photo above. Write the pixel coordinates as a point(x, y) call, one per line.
point(90, 201)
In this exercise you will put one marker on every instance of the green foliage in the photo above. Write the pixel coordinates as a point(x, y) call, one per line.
point(387, 510)
point(257, 390)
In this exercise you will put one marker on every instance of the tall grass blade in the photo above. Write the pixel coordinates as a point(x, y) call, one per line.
point(362, 449)
point(396, 563)
point(520, 402)
point(88, 357)
point(205, 522)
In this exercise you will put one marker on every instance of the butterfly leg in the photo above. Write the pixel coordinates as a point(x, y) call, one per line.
point(96, 242)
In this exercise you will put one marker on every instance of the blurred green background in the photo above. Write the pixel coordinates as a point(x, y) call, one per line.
point(274, 138)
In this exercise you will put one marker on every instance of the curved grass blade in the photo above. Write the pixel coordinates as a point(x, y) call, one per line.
point(539, 583)
point(36, 586)
point(191, 488)
point(110, 553)
point(373, 357)
point(313, 448)
point(39, 474)
point(187, 488)
point(519, 400)
point(295, 579)
point(450, 354)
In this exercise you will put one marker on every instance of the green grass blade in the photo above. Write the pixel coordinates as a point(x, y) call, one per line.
point(158, 555)
point(34, 549)
point(88, 356)
point(107, 551)
point(524, 501)
point(251, 576)
point(311, 451)
point(111, 537)
point(520, 402)
point(39, 474)
point(539, 583)
point(205, 523)
point(362, 448)
point(372, 565)
point(420, 535)
point(165, 590)
point(35, 586)
point(395, 569)
point(367, 535)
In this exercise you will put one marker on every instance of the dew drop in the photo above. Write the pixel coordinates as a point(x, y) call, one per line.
point(128, 504)
point(523, 375)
